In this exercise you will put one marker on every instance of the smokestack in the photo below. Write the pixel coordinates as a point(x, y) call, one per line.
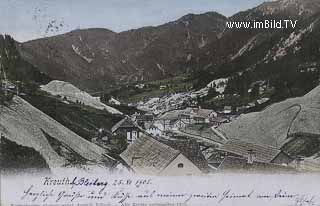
point(251, 156)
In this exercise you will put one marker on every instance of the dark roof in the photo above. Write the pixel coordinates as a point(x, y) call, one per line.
point(145, 117)
point(239, 164)
point(241, 148)
point(199, 112)
point(194, 112)
point(171, 115)
point(191, 150)
point(205, 131)
point(148, 156)
point(151, 125)
point(124, 123)
point(220, 119)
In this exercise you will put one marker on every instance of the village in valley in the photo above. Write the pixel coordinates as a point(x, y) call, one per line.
point(172, 134)
point(174, 141)
point(188, 97)
point(186, 142)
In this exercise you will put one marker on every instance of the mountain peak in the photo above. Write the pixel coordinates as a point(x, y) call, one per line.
point(291, 7)
point(92, 30)
point(198, 17)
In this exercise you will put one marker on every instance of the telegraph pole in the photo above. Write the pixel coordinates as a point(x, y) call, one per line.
point(4, 81)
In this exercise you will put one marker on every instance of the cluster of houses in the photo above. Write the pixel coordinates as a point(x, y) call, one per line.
point(176, 101)
point(150, 156)
point(179, 119)
point(153, 150)
point(162, 126)
point(171, 102)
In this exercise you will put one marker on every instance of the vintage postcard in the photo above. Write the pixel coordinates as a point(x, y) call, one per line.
point(159, 103)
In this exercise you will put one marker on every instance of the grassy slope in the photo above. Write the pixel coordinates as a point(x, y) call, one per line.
point(280, 123)
point(129, 93)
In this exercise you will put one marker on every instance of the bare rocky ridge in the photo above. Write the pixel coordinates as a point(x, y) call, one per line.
point(290, 7)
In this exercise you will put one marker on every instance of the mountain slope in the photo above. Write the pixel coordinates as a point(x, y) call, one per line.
point(283, 61)
point(15, 158)
point(71, 93)
point(98, 58)
point(241, 49)
point(15, 67)
point(198, 45)
point(291, 8)
point(286, 61)
point(27, 126)
point(279, 123)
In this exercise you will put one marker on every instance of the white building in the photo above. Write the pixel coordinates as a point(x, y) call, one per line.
point(148, 156)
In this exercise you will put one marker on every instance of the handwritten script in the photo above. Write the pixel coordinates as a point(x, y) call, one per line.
point(98, 191)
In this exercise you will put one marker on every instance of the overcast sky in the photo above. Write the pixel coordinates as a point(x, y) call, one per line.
point(31, 19)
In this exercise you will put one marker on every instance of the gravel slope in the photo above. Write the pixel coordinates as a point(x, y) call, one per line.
point(73, 94)
point(29, 127)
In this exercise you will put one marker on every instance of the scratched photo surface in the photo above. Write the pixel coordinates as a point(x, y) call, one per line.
point(147, 102)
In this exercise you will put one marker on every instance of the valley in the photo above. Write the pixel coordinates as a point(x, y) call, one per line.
point(186, 97)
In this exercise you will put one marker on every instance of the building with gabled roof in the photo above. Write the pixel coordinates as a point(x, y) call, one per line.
point(201, 113)
point(190, 148)
point(126, 127)
point(177, 119)
point(261, 153)
point(241, 165)
point(189, 113)
point(153, 129)
point(150, 157)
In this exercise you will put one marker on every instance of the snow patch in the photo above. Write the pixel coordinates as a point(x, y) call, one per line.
point(114, 101)
point(161, 68)
point(247, 47)
point(78, 52)
point(186, 23)
point(292, 41)
point(189, 57)
point(203, 42)
point(219, 84)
